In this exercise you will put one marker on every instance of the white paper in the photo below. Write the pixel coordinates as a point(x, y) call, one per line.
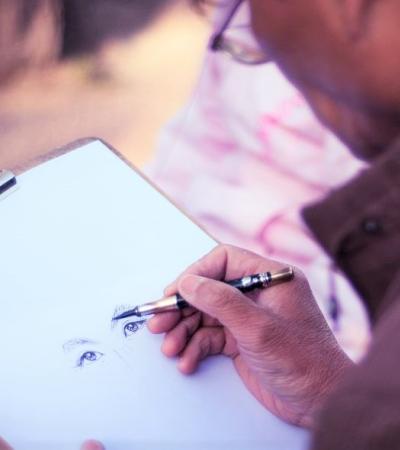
point(83, 234)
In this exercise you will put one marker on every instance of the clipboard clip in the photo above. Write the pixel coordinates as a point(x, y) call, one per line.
point(8, 183)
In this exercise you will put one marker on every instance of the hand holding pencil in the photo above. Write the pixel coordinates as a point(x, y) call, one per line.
point(278, 340)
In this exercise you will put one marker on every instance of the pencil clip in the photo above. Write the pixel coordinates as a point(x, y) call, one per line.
point(8, 183)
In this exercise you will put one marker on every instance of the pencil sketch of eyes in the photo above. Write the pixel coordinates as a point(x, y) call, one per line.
point(128, 326)
point(89, 358)
point(132, 327)
point(84, 352)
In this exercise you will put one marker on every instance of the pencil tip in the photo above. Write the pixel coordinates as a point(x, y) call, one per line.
point(132, 312)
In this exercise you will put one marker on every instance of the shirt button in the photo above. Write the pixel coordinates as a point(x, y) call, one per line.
point(371, 226)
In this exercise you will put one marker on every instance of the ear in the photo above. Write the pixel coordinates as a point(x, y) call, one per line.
point(355, 15)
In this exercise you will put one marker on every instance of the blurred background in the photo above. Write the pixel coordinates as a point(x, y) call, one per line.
point(115, 69)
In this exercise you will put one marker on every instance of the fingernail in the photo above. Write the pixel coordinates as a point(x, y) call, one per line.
point(189, 284)
point(152, 323)
point(168, 288)
point(182, 366)
point(168, 347)
point(92, 445)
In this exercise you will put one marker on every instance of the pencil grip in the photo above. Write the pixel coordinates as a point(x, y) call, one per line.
point(251, 282)
point(246, 284)
point(181, 302)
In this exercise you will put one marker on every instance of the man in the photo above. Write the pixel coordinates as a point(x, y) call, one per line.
point(343, 56)
point(249, 134)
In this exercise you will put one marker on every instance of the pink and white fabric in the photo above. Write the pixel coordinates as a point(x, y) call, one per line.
point(243, 158)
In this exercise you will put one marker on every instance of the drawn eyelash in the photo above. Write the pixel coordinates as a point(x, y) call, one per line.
point(118, 310)
point(133, 327)
point(88, 358)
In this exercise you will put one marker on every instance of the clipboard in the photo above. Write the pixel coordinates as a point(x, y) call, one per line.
point(70, 262)
point(21, 163)
point(8, 183)
point(9, 175)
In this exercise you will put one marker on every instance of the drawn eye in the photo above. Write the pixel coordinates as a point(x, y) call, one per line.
point(89, 358)
point(132, 327)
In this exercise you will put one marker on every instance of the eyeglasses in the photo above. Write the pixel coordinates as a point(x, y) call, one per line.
point(235, 38)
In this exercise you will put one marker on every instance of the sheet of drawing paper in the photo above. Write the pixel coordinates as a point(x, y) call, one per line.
point(82, 237)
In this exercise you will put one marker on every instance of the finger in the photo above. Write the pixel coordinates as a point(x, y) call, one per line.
point(226, 262)
point(92, 445)
point(212, 265)
point(175, 341)
point(161, 323)
point(206, 342)
point(226, 304)
point(4, 445)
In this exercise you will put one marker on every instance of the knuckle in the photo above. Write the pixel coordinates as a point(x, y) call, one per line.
point(185, 330)
point(188, 311)
point(189, 325)
point(221, 248)
point(225, 249)
point(203, 343)
point(299, 275)
point(209, 341)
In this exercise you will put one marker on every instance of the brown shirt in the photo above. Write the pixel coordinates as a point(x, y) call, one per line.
point(359, 227)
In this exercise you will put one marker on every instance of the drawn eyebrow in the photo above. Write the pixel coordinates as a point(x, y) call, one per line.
point(73, 343)
point(117, 311)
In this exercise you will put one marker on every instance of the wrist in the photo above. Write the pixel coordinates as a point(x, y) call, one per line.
point(328, 378)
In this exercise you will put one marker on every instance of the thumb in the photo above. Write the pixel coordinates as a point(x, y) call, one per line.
point(4, 445)
point(228, 305)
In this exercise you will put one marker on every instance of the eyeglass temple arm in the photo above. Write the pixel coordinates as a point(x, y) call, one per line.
point(216, 38)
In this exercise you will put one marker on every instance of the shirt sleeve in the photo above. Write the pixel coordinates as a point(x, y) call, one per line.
point(363, 413)
point(359, 227)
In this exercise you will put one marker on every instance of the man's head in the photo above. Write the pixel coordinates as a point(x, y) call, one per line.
point(344, 55)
